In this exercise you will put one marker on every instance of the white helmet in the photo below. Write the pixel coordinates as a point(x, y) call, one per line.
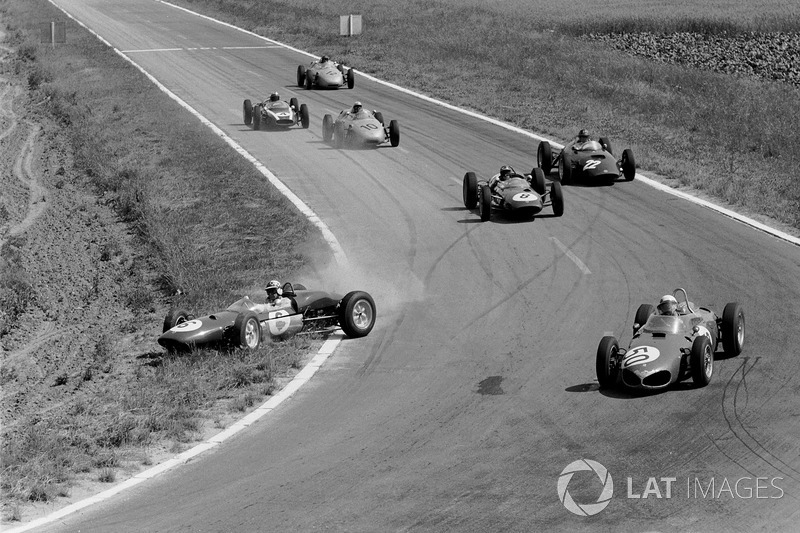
point(668, 305)
point(274, 290)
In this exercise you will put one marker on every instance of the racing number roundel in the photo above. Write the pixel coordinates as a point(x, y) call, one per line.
point(640, 355)
point(277, 326)
point(189, 325)
point(524, 197)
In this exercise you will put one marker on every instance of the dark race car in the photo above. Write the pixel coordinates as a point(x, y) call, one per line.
point(666, 349)
point(246, 324)
point(325, 74)
point(274, 114)
point(589, 161)
point(359, 129)
point(520, 195)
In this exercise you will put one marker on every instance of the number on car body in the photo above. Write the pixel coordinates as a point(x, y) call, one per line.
point(590, 164)
point(640, 355)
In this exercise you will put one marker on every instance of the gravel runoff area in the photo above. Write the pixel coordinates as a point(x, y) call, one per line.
point(769, 56)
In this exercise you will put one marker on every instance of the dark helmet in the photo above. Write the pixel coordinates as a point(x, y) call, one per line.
point(324, 59)
point(583, 135)
point(506, 171)
point(274, 97)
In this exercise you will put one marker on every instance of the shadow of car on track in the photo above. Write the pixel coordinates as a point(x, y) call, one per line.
point(625, 394)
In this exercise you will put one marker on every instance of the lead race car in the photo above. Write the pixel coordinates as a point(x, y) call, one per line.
point(667, 348)
point(275, 113)
point(587, 160)
point(325, 74)
point(358, 127)
point(517, 194)
point(246, 323)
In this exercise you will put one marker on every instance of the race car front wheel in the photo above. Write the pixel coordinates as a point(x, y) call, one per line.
point(173, 318)
point(701, 361)
point(732, 329)
point(606, 362)
point(246, 331)
point(357, 314)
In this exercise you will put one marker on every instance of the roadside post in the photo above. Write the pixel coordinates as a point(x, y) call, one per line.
point(350, 25)
point(53, 32)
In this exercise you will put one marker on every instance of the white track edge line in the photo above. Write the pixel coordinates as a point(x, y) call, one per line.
point(640, 177)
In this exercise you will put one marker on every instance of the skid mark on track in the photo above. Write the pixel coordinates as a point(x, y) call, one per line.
point(47, 332)
point(37, 198)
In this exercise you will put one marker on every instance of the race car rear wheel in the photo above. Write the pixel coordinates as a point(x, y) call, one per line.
point(606, 144)
point(248, 112)
point(301, 75)
point(327, 128)
point(701, 361)
point(544, 157)
point(642, 314)
point(304, 118)
point(606, 362)
point(394, 133)
point(557, 198)
point(470, 190)
point(351, 78)
point(485, 203)
point(293, 103)
point(246, 331)
point(173, 318)
point(733, 329)
point(309, 82)
point(537, 181)
point(257, 117)
point(564, 171)
point(628, 164)
point(357, 314)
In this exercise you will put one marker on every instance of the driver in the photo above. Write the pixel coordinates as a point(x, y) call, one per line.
point(357, 107)
point(274, 97)
point(582, 138)
point(506, 171)
point(668, 305)
point(323, 60)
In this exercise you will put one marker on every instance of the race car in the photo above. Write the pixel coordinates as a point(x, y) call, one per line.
point(589, 161)
point(325, 74)
point(666, 349)
point(246, 324)
point(520, 195)
point(361, 128)
point(275, 113)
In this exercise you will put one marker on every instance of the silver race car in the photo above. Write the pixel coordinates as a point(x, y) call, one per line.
point(274, 113)
point(358, 127)
point(325, 74)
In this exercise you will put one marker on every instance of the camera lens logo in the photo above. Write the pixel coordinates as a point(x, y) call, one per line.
point(586, 509)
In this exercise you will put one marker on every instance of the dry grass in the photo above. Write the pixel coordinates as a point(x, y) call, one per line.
point(524, 62)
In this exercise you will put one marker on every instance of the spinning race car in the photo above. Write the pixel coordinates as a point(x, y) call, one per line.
point(325, 74)
point(668, 348)
point(520, 195)
point(275, 113)
point(587, 160)
point(246, 324)
point(358, 127)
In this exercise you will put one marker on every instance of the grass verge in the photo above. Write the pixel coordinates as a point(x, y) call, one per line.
point(524, 62)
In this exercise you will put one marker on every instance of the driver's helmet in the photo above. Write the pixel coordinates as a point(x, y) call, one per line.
point(505, 172)
point(357, 107)
point(274, 290)
point(324, 59)
point(274, 97)
point(668, 305)
point(583, 136)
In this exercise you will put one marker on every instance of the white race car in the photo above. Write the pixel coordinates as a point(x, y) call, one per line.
point(275, 113)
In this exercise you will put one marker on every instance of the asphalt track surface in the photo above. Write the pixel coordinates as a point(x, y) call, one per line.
point(477, 386)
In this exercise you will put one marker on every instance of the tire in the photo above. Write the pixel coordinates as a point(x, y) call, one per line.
point(605, 364)
point(606, 144)
point(309, 83)
point(544, 157)
point(469, 190)
point(628, 165)
point(357, 314)
point(301, 75)
point(327, 128)
point(643, 313)
point(537, 181)
point(379, 116)
point(294, 104)
point(485, 203)
point(351, 78)
point(338, 135)
point(257, 117)
point(394, 133)
point(246, 331)
point(173, 318)
point(701, 361)
point(557, 198)
point(247, 111)
point(564, 171)
point(304, 118)
point(733, 329)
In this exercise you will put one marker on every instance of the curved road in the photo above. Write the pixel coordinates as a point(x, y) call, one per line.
point(477, 386)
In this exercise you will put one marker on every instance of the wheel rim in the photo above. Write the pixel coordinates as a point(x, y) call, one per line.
point(251, 333)
point(539, 157)
point(708, 362)
point(740, 331)
point(561, 170)
point(362, 314)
